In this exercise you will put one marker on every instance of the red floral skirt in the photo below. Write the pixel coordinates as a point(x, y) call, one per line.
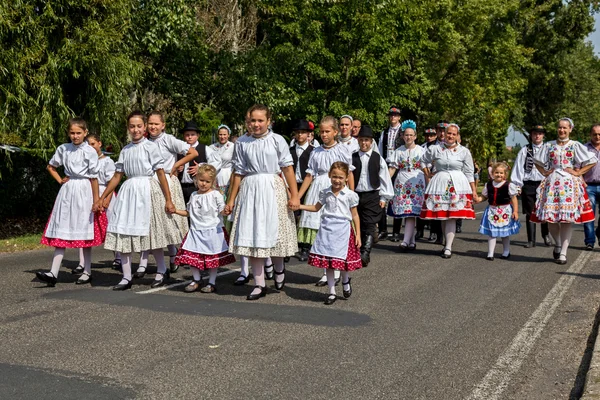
point(442, 212)
point(351, 263)
point(204, 261)
point(100, 225)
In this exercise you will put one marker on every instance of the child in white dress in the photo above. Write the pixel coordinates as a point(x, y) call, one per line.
point(336, 247)
point(72, 222)
point(205, 247)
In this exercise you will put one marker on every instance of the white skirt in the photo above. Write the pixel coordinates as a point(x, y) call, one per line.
point(72, 217)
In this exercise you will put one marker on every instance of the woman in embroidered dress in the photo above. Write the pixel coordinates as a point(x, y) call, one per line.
point(73, 223)
point(562, 199)
point(409, 187)
point(263, 225)
point(317, 178)
point(450, 193)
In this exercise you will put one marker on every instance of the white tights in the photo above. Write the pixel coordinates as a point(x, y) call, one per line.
point(492, 246)
point(409, 230)
point(561, 233)
point(449, 228)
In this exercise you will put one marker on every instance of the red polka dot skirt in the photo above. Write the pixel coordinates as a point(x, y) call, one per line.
point(351, 263)
point(204, 261)
point(100, 225)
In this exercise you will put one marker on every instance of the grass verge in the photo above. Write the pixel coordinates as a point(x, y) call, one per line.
point(21, 243)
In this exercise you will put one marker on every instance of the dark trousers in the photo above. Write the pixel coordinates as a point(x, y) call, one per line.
point(369, 212)
point(528, 197)
point(435, 226)
point(188, 189)
point(383, 225)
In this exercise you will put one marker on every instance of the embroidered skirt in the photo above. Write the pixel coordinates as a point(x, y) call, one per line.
point(497, 221)
point(562, 199)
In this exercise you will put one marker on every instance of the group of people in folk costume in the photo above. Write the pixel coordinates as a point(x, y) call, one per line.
point(264, 201)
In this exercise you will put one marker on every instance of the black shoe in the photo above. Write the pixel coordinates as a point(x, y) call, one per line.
point(263, 293)
point(77, 271)
point(419, 235)
point(173, 267)
point(505, 257)
point(50, 280)
point(83, 280)
point(561, 262)
point(547, 240)
point(140, 274)
point(589, 247)
point(123, 286)
point(162, 281)
point(395, 238)
point(412, 247)
point(556, 254)
point(269, 272)
point(321, 282)
point(529, 245)
point(116, 265)
point(330, 299)
point(432, 238)
point(403, 247)
point(303, 255)
point(280, 285)
point(286, 259)
point(489, 258)
point(446, 255)
point(241, 280)
point(382, 236)
point(348, 293)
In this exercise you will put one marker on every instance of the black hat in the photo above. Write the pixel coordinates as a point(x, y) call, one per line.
point(538, 128)
point(189, 126)
point(303, 125)
point(430, 132)
point(394, 111)
point(365, 131)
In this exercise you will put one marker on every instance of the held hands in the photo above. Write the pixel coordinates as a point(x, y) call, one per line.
point(294, 204)
point(98, 206)
point(170, 207)
point(228, 209)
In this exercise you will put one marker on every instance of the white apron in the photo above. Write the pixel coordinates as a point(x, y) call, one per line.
point(72, 217)
point(258, 224)
point(206, 241)
point(131, 212)
point(332, 238)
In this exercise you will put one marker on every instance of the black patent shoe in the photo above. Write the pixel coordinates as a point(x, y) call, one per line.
point(117, 265)
point(162, 281)
point(330, 299)
point(556, 254)
point(280, 285)
point(303, 255)
point(322, 282)
point(412, 247)
point(489, 258)
point(432, 238)
point(446, 255)
point(139, 274)
point(78, 270)
point(348, 293)
point(269, 272)
point(505, 257)
point(173, 267)
point(123, 286)
point(561, 261)
point(262, 293)
point(83, 279)
point(50, 280)
point(241, 280)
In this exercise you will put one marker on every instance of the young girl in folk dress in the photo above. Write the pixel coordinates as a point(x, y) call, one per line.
point(73, 223)
point(336, 246)
point(139, 220)
point(501, 217)
point(205, 247)
point(317, 179)
point(106, 170)
point(263, 226)
point(409, 187)
point(562, 199)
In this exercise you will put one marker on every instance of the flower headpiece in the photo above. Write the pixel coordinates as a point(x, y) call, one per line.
point(409, 123)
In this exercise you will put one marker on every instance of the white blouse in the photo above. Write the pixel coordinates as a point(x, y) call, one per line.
point(169, 147)
point(338, 206)
point(79, 162)
point(265, 155)
point(106, 171)
point(321, 159)
point(205, 209)
point(139, 159)
point(513, 189)
point(455, 159)
point(226, 153)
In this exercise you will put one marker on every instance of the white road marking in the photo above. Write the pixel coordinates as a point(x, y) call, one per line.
point(479, 212)
point(158, 289)
point(498, 378)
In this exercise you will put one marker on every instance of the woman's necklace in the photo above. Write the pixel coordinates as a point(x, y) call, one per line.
point(328, 147)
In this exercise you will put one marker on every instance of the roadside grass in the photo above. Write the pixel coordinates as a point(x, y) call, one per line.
point(21, 243)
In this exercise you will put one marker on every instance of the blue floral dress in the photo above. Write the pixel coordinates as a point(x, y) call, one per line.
point(409, 186)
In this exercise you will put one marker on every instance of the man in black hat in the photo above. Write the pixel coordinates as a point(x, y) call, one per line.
point(527, 177)
point(389, 140)
point(301, 151)
point(373, 186)
point(206, 155)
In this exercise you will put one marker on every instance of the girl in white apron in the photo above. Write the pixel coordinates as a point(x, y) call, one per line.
point(72, 222)
point(205, 247)
point(336, 246)
point(141, 218)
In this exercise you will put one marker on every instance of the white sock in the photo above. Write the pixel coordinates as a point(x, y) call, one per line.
point(449, 232)
point(566, 230)
point(59, 253)
point(126, 266)
point(212, 276)
point(330, 276)
point(346, 279)
point(268, 262)
point(143, 259)
point(81, 256)
point(279, 265)
point(258, 271)
point(336, 274)
point(491, 246)
point(506, 246)
point(244, 266)
point(409, 230)
point(87, 260)
point(554, 230)
point(161, 268)
point(196, 274)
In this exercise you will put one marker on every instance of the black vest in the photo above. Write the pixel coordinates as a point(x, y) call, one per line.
point(397, 142)
point(374, 165)
point(200, 159)
point(528, 165)
point(498, 196)
point(303, 159)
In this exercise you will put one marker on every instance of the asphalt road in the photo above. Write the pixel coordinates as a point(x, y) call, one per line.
point(416, 327)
